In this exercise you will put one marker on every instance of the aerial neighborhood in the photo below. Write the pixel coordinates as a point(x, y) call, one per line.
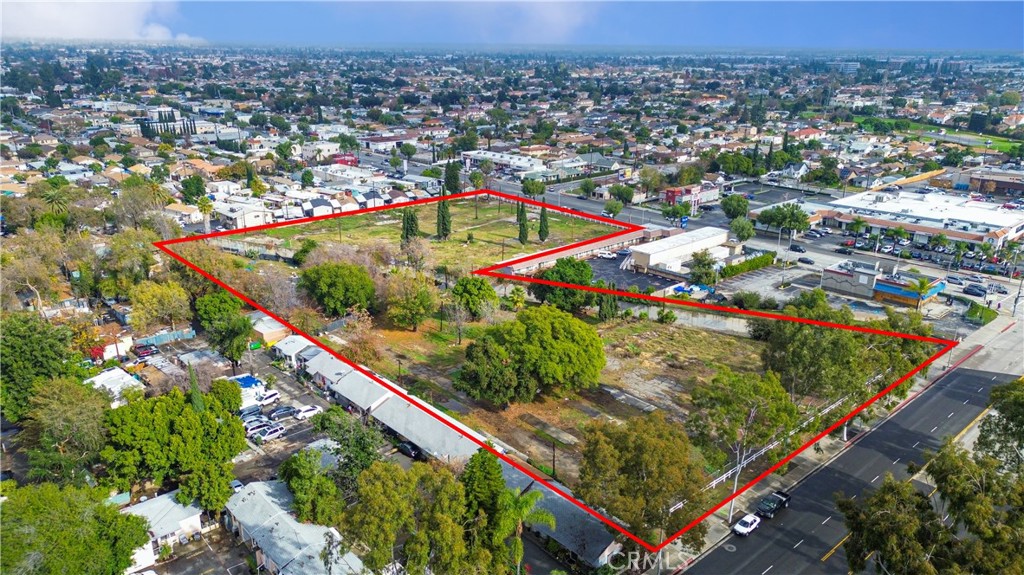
point(311, 311)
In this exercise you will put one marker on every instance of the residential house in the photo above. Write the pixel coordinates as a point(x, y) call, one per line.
point(226, 187)
point(114, 382)
point(184, 213)
point(581, 534)
point(260, 515)
point(238, 216)
point(288, 349)
point(269, 329)
point(795, 170)
point(168, 520)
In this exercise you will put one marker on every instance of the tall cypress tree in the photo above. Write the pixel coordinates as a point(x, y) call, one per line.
point(543, 231)
point(524, 232)
point(444, 219)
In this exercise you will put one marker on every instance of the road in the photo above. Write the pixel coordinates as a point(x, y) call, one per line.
point(807, 537)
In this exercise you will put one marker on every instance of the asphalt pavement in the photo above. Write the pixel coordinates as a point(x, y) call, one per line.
point(807, 537)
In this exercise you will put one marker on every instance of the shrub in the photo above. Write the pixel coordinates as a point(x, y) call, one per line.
point(666, 316)
point(750, 265)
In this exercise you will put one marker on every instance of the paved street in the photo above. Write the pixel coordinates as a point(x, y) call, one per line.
point(806, 538)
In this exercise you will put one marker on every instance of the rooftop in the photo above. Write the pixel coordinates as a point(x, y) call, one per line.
point(934, 209)
point(680, 240)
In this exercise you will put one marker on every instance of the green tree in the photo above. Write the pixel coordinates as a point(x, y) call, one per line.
point(408, 150)
point(473, 293)
point(534, 188)
point(524, 231)
point(216, 307)
point(412, 297)
point(227, 393)
point(193, 188)
point(674, 212)
point(338, 287)
point(735, 206)
point(1009, 98)
point(742, 228)
point(205, 206)
point(553, 349)
point(477, 179)
point(317, 499)
point(517, 510)
point(613, 207)
point(639, 471)
point(444, 220)
point(651, 180)
point(64, 429)
point(587, 187)
point(395, 162)
point(452, 180)
point(858, 225)
point(156, 302)
point(544, 229)
point(483, 484)
point(432, 172)
point(570, 271)
point(410, 225)
point(306, 178)
point(31, 351)
point(39, 518)
point(702, 268)
point(358, 445)
point(517, 298)
point(897, 526)
point(622, 193)
point(488, 374)
point(744, 411)
point(231, 337)
point(1002, 431)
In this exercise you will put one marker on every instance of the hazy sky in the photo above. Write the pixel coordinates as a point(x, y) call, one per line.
point(825, 24)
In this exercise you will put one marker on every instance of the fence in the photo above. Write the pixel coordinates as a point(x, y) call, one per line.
point(166, 337)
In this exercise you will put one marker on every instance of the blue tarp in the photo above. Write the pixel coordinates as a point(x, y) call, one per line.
point(246, 381)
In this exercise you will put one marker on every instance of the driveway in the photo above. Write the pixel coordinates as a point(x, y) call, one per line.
point(608, 270)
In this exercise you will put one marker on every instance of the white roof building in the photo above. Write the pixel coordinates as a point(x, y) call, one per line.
point(114, 382)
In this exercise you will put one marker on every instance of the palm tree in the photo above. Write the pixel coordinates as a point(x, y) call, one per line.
point(920, 287)
point(1011, 253)
point(206, 208)
point(516, 510)
point(988, 250)
point(938, 241)
point(857, 225)
point(56, 200)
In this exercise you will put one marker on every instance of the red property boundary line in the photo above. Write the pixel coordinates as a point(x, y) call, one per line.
point(491, 271)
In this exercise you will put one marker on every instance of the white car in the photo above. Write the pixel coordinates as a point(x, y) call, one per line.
point(606, 255)
point(237, 485)
point(308, 411)
point(744, 526)
point(269, 397)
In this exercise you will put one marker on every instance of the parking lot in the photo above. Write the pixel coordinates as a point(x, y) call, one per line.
point(611, 274)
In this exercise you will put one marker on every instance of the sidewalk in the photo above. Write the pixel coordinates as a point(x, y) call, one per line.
point(812, 459)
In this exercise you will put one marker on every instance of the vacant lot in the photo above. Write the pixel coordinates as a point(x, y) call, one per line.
point(491, 223)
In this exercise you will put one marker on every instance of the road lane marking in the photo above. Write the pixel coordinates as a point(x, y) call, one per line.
point(915, 444)
point(833, 550)
point(875, 479)
point(897, 460)
point(965, 401)
point(826, 520)
point(950, 414)
point(798, 543)
point(767, 570)
point(933, 429)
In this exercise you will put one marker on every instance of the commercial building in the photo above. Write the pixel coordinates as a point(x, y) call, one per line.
point(869, 281)
point(926, 215)
point(513, 162)
point(696, 195)
point(671, 252)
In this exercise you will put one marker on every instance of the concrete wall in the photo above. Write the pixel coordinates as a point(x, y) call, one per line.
point(847, 283)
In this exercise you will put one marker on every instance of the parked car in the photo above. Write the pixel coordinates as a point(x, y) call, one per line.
point(624, 252)
point(975, 290)
point(773, 503)
point(607, 214)
point(606, 255)
point(996, 288)
point(813, 235)
point(272, 396)
point(409, 450)
point(282, 412)
point(806, 261)
point(255, 424)
point(271, 433)
point(850, 243)
point(915, 255)
point(844, 251)
point(955, 280)
point(237, 485)
point(746, 525)
point(903, 242)
point(976, 278)
point(825, 230)
point(797, 248)
point(142, 351)
point(860, 245)
point(252, 433)
point(247, 411)
point(887, 249)
point(307, 412)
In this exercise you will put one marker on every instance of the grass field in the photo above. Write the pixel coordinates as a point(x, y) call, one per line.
point(492, 224)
